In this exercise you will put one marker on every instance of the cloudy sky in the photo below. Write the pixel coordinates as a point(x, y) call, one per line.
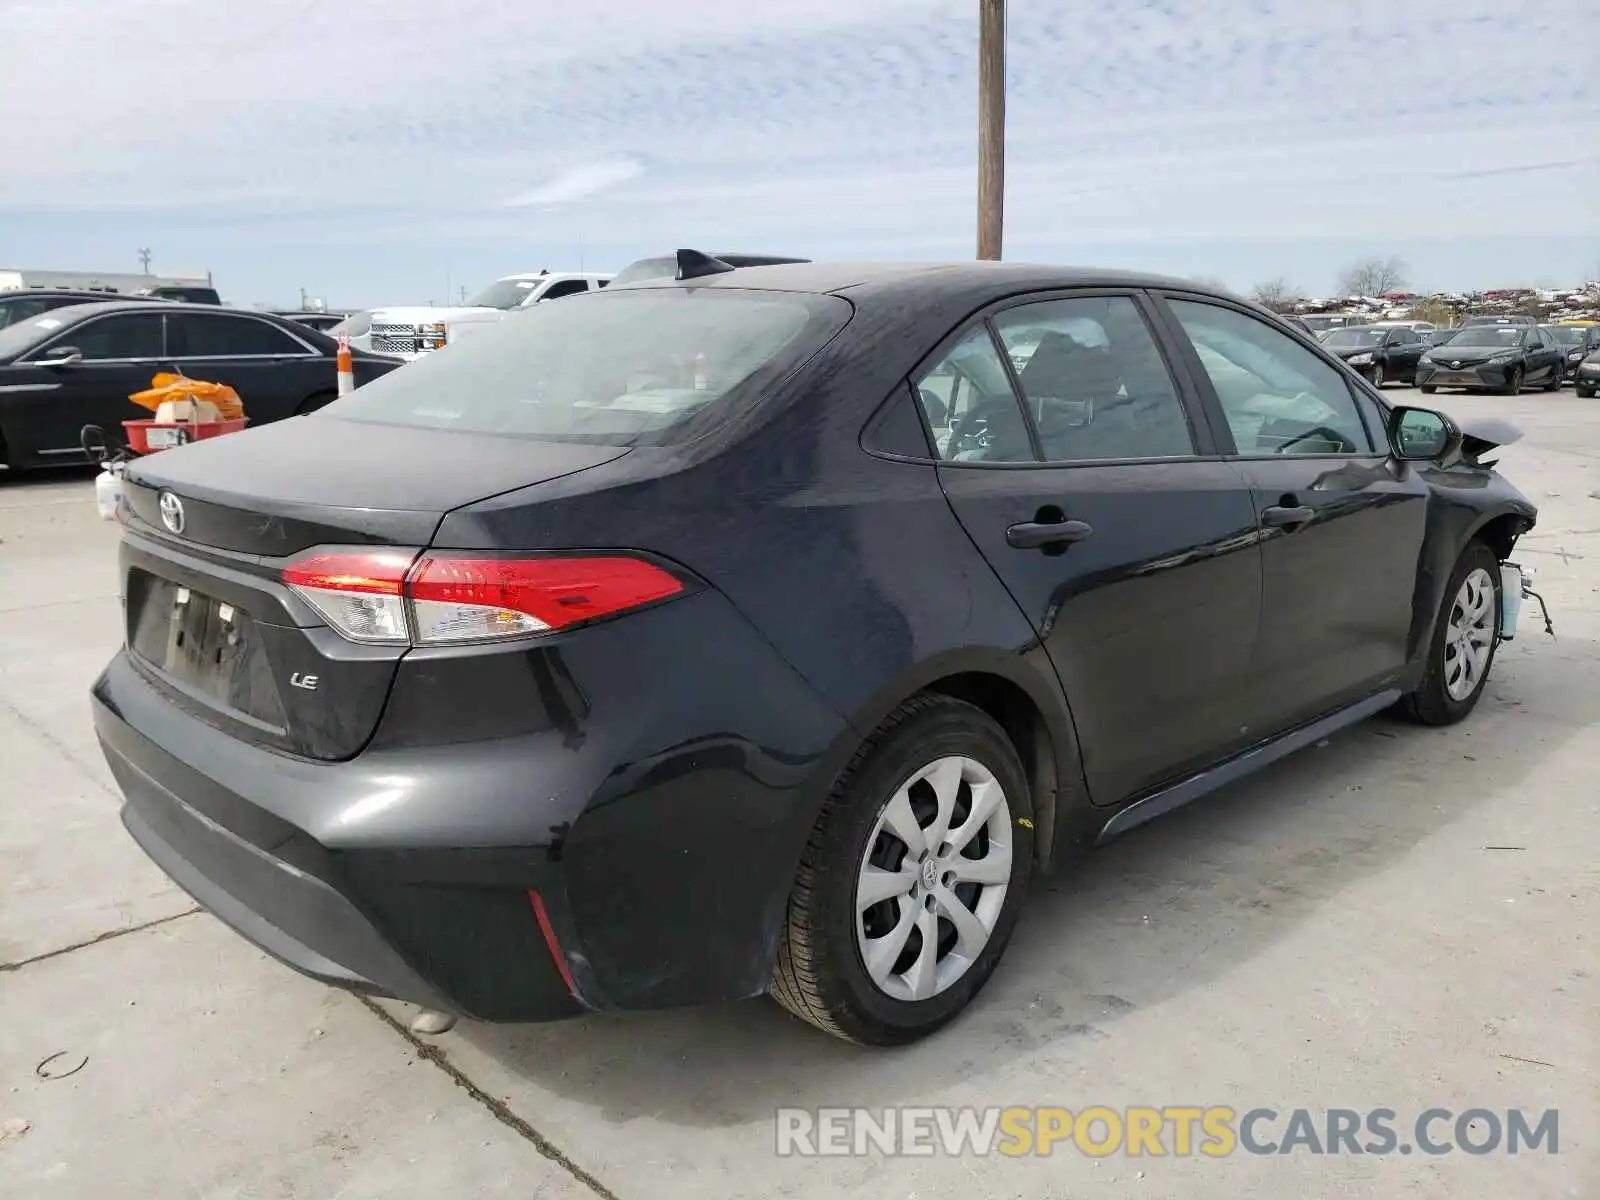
point(398, 151)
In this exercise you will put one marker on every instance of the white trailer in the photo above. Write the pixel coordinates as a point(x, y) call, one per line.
point(115, 282)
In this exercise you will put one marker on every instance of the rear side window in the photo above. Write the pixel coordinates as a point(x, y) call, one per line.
point(201, 335)
point(622, 368)
point(970, 406)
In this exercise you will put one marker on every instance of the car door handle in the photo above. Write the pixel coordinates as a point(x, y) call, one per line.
point(1036, 535)
point(1281, 515)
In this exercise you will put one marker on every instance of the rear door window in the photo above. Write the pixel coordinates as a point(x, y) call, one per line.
point(643, 367)
point(1094, 380)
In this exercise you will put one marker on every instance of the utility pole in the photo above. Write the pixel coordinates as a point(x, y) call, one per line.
point(144, 261)
point(302, 300)
point(991, 125)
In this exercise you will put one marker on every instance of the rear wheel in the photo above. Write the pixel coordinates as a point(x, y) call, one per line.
point(912, 880)
point(1465, 636)
point(1513, 384)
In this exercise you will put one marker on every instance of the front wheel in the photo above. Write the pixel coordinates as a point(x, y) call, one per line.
point(1427, 389)
point(1376, 375)
point(912, 879)
point(1553, 384)
point(1462, 648)
point(1585, 393)
point(1513, 384)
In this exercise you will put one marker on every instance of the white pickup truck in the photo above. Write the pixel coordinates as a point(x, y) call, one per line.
point(412, 332)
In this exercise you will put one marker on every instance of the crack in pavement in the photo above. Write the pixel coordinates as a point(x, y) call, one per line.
point(499, 1109)
point(60, 747)
point(107, 936)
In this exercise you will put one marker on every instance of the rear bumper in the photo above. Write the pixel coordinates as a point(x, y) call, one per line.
point(348, 920)
point(653, 781)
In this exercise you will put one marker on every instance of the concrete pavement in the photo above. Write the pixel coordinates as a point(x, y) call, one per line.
point(1399, 918)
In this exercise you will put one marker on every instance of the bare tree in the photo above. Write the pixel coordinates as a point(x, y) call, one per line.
point(1277, 294)
point(1373, 277)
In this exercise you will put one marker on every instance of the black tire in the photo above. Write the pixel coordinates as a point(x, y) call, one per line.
point(1513, 383)
point(1427, 389)
point(1375, 376)
point(1431, 703)
point(1585, 393)
point(311, 403)
point(820, 976)
point(1553, 384)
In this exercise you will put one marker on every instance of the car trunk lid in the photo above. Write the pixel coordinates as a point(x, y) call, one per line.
point(209, 530)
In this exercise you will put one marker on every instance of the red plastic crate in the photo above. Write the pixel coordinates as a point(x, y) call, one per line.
point(146, 437)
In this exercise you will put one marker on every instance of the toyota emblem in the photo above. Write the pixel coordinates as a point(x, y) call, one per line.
point(1456, 363)
point(172, 512)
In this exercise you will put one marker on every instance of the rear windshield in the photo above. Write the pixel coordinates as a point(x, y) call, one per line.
point(620, 368)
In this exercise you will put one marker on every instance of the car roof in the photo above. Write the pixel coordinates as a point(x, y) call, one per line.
point(142, 304)
point(870, 279)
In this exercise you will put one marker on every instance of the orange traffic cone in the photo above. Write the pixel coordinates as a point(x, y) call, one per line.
point(347, 370)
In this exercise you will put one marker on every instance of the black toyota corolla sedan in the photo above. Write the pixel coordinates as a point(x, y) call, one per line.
point(765, 630)
point(77, 366)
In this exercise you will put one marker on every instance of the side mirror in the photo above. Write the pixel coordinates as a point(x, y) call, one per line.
point(60, 356)
point(1422, 435)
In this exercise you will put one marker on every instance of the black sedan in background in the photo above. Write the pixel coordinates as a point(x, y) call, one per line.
point(1577, 342)
point(1383, 355)
point(20, 304)
point(1587, 378)
point(1501, 358)
point(766, 630)
point(78, 365)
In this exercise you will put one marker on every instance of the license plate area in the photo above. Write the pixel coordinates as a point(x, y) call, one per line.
point(208, 650)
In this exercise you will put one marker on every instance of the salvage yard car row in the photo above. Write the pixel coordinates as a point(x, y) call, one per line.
point(1503, 355)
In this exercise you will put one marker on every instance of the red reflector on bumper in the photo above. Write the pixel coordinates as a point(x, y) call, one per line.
point(550, 940)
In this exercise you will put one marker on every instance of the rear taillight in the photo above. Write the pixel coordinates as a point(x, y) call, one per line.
point(398, 597)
